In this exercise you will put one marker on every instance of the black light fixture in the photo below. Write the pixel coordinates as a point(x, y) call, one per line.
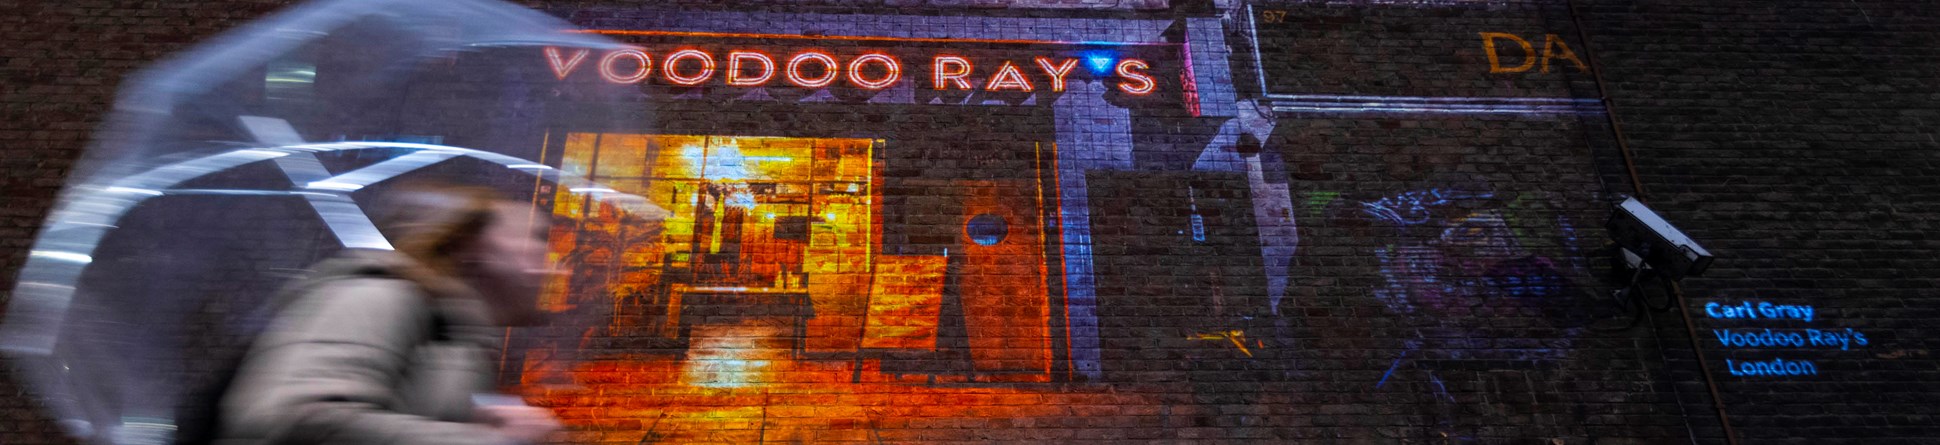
point(1648, 242)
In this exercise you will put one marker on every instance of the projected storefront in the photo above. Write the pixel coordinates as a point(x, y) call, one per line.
point(921, 206)
point(905, 203)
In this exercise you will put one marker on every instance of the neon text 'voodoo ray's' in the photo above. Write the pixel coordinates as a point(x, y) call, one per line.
point(815, 69)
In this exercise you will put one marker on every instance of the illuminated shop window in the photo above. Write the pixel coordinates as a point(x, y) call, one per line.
point(764, 218)
point(769, 269)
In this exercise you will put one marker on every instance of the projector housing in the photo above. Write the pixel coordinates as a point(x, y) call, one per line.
point(1667, 250)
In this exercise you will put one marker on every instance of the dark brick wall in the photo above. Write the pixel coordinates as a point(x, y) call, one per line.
point(62, 64)
point(1793, 138)
point(1446, 285)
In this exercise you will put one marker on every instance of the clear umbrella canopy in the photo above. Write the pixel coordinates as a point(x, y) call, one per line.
point(224, 172)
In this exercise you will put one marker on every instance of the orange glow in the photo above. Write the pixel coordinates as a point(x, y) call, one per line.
point(956, 76)
point(1008, 78)
point(1057, 73)
point(563, 68)
point(734, 68)
point(673, 62)
point(612, 74)
point(894, 68)
point(903, 311)
point(764, 307)
point(731, 357)
point(805, 403)
point(1131, 70)
point(756, 221)
point(795, 70)
point(1005, 304)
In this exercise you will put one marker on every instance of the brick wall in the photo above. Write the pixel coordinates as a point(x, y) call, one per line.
point(1792, 139)
point(1369, 222)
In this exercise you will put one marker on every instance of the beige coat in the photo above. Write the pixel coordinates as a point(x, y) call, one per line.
point(361, 357)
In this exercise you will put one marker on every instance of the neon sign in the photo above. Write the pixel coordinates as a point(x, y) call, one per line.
point(642, 66)
point(795, 70)
point(673, 63)
point(892, 71)
point(818, 69)
point(735, 69)
point(1057, 72)
point(953, 70)
point(1133, 70)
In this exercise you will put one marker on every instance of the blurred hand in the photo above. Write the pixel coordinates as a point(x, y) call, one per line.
point(525, 424)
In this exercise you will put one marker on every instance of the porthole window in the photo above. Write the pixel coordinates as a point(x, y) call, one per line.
point(987, 229)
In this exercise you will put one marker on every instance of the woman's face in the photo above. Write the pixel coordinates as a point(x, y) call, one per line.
point(510, 264)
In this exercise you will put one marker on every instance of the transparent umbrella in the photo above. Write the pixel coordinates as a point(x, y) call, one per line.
point(224, 172)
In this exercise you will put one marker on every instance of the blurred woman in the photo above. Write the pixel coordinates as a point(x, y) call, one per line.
point(394, 347)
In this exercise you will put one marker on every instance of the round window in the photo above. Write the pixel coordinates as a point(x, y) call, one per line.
point(987, 229)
